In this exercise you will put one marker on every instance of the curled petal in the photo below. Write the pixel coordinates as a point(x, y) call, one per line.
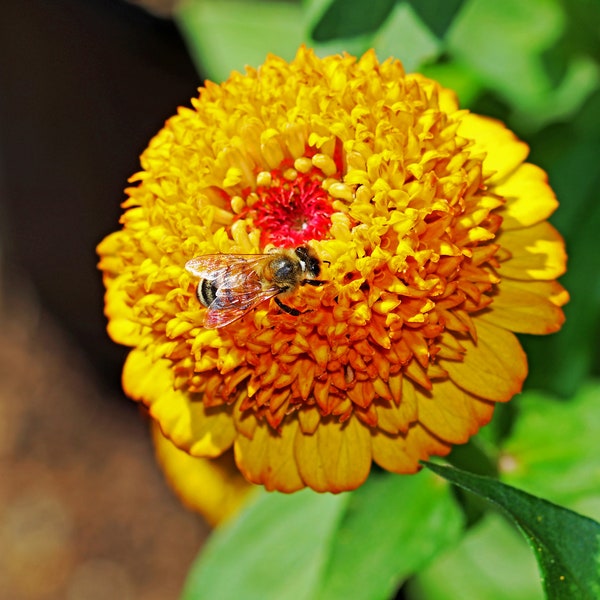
point(504, 151)
point(528, 307)
point(191, 426)
point(212, 487)
point(537, 253)
point(493, 368)
point(529, 198)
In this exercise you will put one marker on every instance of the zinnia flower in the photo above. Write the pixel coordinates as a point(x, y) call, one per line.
point(434, 247)
point(212, 487)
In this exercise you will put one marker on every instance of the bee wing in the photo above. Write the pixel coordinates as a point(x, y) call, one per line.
point(238, 285)
point(231, 270)
point(232, 304)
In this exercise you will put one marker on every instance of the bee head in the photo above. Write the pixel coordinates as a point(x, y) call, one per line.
point(312, 265)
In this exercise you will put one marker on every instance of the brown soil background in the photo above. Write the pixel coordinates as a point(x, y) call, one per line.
point(84, 511)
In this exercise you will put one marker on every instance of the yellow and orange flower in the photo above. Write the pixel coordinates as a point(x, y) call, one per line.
point(435, 248)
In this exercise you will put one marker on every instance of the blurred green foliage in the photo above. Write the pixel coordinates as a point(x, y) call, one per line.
point(536, 66)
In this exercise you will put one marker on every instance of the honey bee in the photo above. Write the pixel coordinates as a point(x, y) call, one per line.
point(233, 284)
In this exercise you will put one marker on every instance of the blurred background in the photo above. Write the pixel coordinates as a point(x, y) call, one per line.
point(84, 511)
point(84, 85)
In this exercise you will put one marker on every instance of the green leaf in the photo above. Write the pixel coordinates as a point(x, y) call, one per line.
point(564, 466)
point(566, 544)
point(279, 543)
point(312, 12)
point(492, 561)
point(357, 545)
point(227, 35)
point(348, 18)
point(405, 37)
point(569, 153)
point(508, 44)
point(437, 14)
point(393, 526)
point(503, 41)
point(455, 76)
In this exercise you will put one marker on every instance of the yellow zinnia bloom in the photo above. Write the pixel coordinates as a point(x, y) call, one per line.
point(433, 244)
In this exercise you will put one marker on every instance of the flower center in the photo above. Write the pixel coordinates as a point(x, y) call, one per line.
point(289, 207)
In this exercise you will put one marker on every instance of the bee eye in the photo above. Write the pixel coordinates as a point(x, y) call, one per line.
point(313, 266)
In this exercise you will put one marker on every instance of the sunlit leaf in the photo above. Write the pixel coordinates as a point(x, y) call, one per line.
point(563, 466)
point(392, 527)
point(227, 35)
point(322, 546)
point(566, 544)
point(503, 42)
point(404, 36)
point(509, 45)
point(492, 561)
point(278, 544)
point(457, 77)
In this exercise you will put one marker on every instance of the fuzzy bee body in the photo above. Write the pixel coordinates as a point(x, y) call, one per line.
point(232, 284)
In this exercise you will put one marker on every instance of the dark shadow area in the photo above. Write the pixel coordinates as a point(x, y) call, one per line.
point(84, 511)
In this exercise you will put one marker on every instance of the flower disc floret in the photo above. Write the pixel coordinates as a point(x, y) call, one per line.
point(434, 246)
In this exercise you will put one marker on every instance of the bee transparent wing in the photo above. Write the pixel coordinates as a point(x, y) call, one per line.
point(232, 304)
point(238, 286)
point(229, 270)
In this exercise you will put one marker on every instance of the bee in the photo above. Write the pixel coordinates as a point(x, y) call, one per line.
point(233, 284)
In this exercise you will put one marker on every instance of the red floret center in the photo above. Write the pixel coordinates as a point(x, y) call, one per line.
point(290, 213)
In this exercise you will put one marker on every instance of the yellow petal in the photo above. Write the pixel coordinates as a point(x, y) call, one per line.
point(393, 418)
point(526, 307)
point(122, 326)
point(187, 423)
point(390, 453)
point(268, 458)
point(538, 252)
point(212, 487)
point(448, 412)
point(401, 454)
point(505, 152)
point(494, 368)
point(337, 457)
point(529, 198)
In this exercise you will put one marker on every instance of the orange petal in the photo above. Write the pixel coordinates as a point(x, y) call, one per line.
point(212, 487)
point(268, 458)
point(188, 424)
point(494, 368)
point(401, 454)
point(393, 418)
point(505, 152)
point(337, 457)
point(538, 252)
point(529, 198)
point(390, 453)
point(448, 412)
point(526, 307)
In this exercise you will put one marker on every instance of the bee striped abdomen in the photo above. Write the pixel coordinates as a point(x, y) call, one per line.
point(207, 292)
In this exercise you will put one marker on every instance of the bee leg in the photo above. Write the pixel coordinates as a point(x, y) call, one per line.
point(285, 308)
point(313, 282)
